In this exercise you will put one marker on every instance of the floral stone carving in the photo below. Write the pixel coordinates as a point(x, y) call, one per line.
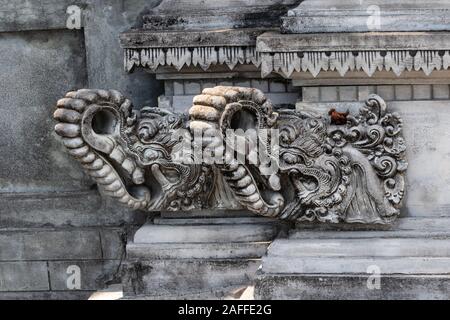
point(294, 165)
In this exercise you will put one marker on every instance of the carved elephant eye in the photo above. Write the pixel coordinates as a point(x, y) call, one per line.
point(104, 122)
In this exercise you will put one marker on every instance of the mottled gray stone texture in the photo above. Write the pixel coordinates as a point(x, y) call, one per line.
point(51, 214)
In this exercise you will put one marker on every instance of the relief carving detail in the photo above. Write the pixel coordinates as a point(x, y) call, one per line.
point(296, 165)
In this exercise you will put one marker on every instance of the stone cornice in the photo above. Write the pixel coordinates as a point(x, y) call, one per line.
point(288, 53)
point(135, 39)
point(203, 49)
point(202, 57)
point(286, 63)
point(343, 52)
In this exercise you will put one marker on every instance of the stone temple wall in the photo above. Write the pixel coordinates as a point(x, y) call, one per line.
point(54, 220)
point(51, 215)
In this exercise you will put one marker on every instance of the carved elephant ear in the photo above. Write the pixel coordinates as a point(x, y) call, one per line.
point(222, 108)
point(90, 122)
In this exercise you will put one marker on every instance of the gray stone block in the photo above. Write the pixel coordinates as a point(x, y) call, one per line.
point(214, 221)
point(178, 88)
point(207, 233)
point(64, 209)
point(310, 94)
point(94, 275)
point(403, 92)
point(242, 83)
point(441, 91)
point(113, 243)
point(182, 103)
point(355, 265)
point(208, 84)
point(277, 86)
point(44, 244)
point(374, 247)
point(159, 278)
point(422, 92)
point(24, 276)
point(352, 287)
point(46, 295)
point(21, 15)
point(31, 159)
point(328, 94)
point(327, 16)
point(192, 87)
point(365, 91)
point(283, 98)
point(262, 85)
point(232, 250)
point(348, 93)
point(387, 92)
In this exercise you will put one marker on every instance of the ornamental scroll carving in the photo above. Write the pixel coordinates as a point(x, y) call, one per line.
point(294, 165)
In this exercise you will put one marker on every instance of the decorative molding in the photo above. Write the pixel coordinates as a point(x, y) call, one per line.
point(202, 57)
point(286, 63)
point(397, 61)
point(332, 168)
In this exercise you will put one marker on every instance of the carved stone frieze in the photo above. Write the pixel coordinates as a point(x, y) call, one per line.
point(201, 57)
point(298, 166)
point(398, 61)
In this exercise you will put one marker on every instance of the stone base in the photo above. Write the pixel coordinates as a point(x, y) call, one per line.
point(351, 287)
point(195, 258)
point(410, 261)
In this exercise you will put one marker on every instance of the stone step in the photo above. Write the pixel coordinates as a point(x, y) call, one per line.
point(151, 233)
point(186, 277)
point(232, 250)
point(356, 265)
point(424, 228)
point(352, 287)
point(213, 221)
point(395, 247)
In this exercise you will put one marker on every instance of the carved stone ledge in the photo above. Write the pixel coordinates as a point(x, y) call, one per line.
point(202, 49)
point(322, 16)
point(330, 168)
point(367, 52)
point(201, 57)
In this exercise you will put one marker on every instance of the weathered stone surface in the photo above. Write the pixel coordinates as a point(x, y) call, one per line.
point(24, 276)
point(31, 159)
point(213, 221)
point(204, 250)
point(113, 242)
point(273, 41)
point(22, 15)
point(94, 275)
point(106, 19)
point(46, 295)
point(212, 14)
point(316, 16)
point(63, 209)
point(409, 261)
point(209, 233)
point(289, 54)
point(417, 227)
point(385, 247)
point(198, 38)
point(352, 287)
point(159, 278)
point(195, 258)
point(41, 244)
